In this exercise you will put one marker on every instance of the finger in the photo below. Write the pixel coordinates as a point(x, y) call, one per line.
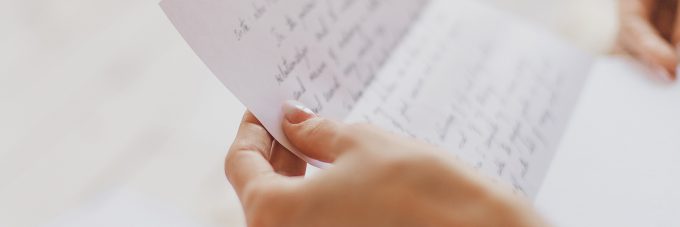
point(246, 161)
point(641, 39)
point(316, 137)
point(286, 163)
point(676, 30)
point(663, 17)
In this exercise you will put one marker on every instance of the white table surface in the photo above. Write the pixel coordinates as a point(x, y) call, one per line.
point(102, 102)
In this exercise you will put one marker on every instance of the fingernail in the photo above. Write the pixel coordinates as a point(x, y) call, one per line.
point(663, 73)
point(295, 112)
point(674, 75)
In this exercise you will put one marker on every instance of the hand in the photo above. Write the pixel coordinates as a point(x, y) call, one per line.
point(377, 179)
point(650, 32)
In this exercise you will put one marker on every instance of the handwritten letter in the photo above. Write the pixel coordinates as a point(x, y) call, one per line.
point(320, 52)
point(489, 89)
point(454, 73)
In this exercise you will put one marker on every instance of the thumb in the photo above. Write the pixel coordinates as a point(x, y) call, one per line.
point(676, 31)
point(316, 137)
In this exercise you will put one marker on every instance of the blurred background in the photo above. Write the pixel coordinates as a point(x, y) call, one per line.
point(107, 117)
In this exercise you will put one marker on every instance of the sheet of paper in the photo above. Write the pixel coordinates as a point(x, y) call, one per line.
point(493, 91)
point(320, 52)
point(618, 162)
point(456, 73)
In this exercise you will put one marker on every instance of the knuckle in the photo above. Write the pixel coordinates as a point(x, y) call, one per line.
point(227, 160)
point(362, 128)
point(396, 165)
point(319, 128)
point(410, 161)
point(332, 133)
point(354, 133)
point(249, 145)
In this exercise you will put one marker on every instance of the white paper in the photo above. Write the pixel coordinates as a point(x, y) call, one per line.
point(479, 84)
point(320, 52)
point(455, 73)
point(618, 162)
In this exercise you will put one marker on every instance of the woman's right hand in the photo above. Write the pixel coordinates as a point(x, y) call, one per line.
point(378, 179)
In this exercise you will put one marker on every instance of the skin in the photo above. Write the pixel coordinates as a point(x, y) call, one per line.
point(650, 32)
point(377, 179)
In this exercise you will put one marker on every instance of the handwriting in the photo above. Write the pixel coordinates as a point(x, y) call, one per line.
point(497, 104)
point(452, 73)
